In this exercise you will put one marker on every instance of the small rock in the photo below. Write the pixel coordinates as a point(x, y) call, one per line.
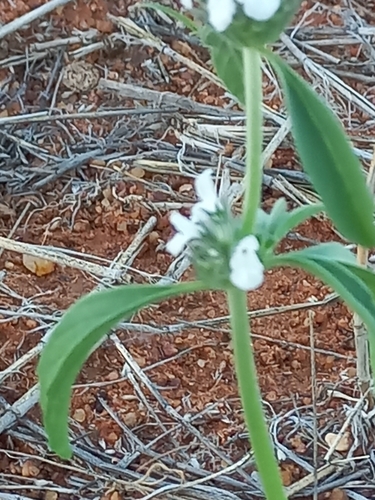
point(130, 419)
point(351, 372)
point(153, 237)
point(115, 496)
point(113, 375)
point(169, 349)
point(271, 396)
point(286, 477)
point(38, 266)
point(296, 365)
point(122, 227)
point(79, 415)
point(31, 324)
point(111, 438)
point(140, 360)
point(107, 193)
point(338, 494)
point(185, 189)
point(343, 323)
point(105, 203)
point(29, 469)
point(55, 224)
point(81, 226)
point(342, 445)
point(97, 162)
point(51, 495)
point(137, 172)
point(9, 266)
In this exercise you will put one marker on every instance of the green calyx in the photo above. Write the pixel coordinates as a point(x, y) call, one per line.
point(245, 32)
point(211, 253)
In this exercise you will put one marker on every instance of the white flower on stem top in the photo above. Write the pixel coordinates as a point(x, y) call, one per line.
point(260, 10)
point(191, 228)
point(246, 269)
point(221, 12)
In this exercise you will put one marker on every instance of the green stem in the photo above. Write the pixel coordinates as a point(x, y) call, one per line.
point(251, 399)
point(254, 136)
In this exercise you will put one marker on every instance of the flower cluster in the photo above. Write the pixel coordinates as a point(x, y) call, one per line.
point(191, 229)
point(210, 234)
point(221, 12)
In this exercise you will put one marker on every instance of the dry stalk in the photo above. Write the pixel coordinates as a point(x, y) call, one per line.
point(360, 330)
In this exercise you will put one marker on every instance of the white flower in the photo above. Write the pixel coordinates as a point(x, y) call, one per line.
point(187, 4)
point(220, 13)
point(246, 270)
point(260, 10)
point(190, 229)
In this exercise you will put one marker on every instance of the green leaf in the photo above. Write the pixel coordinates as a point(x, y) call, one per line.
point(81, 328)
point(294, 218)
point(278, 214)
point(327, 157)
point(366, 275)
point(227, 59)
point(331, 251)
point(174, 14)
point(246, 32)
point(271, 228)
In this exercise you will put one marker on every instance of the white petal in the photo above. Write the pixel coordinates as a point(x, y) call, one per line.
point(204, 185)
point(220, 13)
point(260, 10)
point(248, 278)
point(187, 4)
point(183, 225)
point(246, 270)
point(176, 244)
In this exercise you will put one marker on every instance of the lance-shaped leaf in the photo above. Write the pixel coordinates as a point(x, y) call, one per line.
point(73, 339)
point(271, 228)
point(227, 59)
point(296, 217)
point(327, 157)
point(281, 221)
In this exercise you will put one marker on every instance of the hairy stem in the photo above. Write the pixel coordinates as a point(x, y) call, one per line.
point(254, 136)
point(251, 399)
